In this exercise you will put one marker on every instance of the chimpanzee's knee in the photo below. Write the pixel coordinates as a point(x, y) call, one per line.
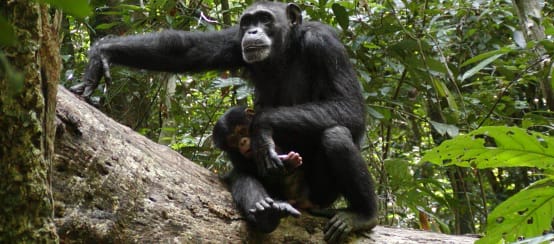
point(337, 139)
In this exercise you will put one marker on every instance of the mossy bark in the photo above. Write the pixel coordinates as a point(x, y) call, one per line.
point(27, 112)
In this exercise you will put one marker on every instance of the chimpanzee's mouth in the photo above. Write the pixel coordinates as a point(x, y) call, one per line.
point(248, 153)
point(252, 48)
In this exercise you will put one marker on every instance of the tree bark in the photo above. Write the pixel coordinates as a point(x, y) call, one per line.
point(114, 185)
point(27, 103)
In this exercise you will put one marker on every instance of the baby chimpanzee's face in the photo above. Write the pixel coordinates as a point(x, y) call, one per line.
point(240, 139)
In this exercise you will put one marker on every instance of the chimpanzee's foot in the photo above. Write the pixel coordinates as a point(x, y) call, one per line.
point(345, 222)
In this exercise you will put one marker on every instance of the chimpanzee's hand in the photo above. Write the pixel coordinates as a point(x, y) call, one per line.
point(97, 68)
point(267, 159)
point(267, 214)
point(292, 160)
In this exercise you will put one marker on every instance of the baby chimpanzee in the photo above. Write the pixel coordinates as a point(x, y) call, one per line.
point(231, 134)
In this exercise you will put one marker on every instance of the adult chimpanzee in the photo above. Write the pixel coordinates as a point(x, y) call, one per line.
point(307, 98)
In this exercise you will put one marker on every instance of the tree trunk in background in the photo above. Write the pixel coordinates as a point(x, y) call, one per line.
point(226, 14)
point(115, 185)
point(27, 107)
point(167, 118)
point(530, 18)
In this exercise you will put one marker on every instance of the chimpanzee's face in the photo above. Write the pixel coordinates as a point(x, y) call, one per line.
point(240, 140)
point(264, 30)
point(256, 43)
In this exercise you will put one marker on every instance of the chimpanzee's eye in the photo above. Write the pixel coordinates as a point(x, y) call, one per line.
point(246, 21)
point(265, 18)
point(243, 131)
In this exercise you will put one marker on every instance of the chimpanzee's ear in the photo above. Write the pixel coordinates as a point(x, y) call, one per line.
point(294, 14)
point(249, 113)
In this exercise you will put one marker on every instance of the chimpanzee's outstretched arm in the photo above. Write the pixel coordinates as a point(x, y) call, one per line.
point(261, 211)
point(170, 50)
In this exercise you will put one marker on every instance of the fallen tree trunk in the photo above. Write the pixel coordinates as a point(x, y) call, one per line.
point(112, 184)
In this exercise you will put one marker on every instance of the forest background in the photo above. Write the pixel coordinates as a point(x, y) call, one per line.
point(459, 97)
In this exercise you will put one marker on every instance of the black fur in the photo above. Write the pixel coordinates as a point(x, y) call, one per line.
point(224, 127)
point(307, 99)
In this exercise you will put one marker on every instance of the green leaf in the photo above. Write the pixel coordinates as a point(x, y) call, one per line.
point(495, 146)
point(341, 15)
point(482, 56)
point(398, 171)
point(227, 82)
point(443, 91)
point(8, 35)
point(520, 39)
point(106, 26)
point(374, 113)
point(527, 214)
point(537, 118)
point(480, 66)
point(131, 7)
point(444, 129)
point(77, 8)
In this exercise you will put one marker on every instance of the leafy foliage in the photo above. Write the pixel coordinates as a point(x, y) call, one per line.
point(528, 213)
point(495, 146)
point(77, 8)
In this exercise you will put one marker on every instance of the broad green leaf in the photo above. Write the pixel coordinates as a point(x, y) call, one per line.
point(379, 113)
point(482, 56)
point(439, 88)
point(443, 91)
point(480, 66)
point(374, 113)
point(444, 129)
point(520, 39)
point(537, 118)
point(548, 44)
point(226, 82)
point(341, 15)
point(244, 91)
point(77, 8)
point(495, 146)
point(132, 7)
point(435, 65)
point(449, 97)
point(527, 214)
